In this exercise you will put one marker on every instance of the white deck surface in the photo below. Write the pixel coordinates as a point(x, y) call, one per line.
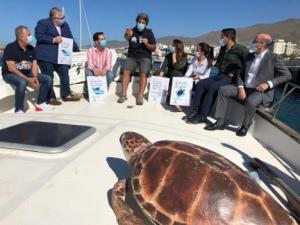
point(72, 188)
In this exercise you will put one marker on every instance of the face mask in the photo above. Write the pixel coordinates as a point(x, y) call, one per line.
point(61, 22)
point(140, 26)
point(29, 39)
point(172, 49)
point(253, 47)
point(197, 54)
point(222, 42)
point(102, 43)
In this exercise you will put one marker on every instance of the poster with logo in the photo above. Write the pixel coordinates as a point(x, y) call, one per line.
point(97, 87)
point(181, 91)
point(65, 50)
point(158, 91)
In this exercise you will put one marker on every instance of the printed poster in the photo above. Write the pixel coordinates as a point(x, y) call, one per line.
point(65, 50)
point(181, 91)
point(97, 87)
point(158, 91)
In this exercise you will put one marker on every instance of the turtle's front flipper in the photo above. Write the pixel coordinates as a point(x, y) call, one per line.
point(123, 212)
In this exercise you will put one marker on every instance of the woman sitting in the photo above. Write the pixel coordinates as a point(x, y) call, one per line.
point(200, 66)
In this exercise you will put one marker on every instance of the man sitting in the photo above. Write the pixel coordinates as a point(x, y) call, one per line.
point(20, 69)
point(263, 71)
point(99, 60)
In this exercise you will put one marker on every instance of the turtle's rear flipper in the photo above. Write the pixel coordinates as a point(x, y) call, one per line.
point(293, 200)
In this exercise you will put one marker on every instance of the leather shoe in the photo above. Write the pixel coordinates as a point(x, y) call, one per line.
point(190, 115)
point(196, 119)
point(242, 131)
point(215, 126)
point(71, 99)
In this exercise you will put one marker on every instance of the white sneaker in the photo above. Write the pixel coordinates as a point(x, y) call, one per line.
point(43, 107)
point(19, 112)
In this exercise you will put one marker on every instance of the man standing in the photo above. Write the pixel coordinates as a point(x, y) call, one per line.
point(99, 59)
point(141, 45)
point(263, 71)
point(20, 69)
point(230, 62)
point(49, 33)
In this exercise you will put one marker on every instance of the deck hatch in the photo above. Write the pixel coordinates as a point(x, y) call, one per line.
point(43, 136)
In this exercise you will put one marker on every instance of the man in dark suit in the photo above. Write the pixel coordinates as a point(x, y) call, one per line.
point(263, 71)
point(49, 33)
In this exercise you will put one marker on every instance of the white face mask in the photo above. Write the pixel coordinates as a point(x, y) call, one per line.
point(222, 42)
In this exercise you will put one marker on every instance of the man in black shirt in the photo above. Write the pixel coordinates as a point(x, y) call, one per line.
point(20, 69)
point(141, 45)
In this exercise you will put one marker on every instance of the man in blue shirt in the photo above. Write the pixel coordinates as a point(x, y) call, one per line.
point(49, 33)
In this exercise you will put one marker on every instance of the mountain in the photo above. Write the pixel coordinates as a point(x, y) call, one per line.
point(289, 30)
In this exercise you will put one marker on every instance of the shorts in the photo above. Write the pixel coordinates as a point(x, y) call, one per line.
point(144, 65)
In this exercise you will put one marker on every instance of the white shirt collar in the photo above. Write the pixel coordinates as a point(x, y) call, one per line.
point(261, 55)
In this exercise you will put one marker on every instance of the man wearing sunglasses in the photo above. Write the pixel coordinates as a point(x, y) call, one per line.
point(49, 33)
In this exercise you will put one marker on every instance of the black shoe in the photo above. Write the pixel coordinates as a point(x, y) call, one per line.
point(242, 131)
point(190, 115)
point(196, 119)
point(215, 126)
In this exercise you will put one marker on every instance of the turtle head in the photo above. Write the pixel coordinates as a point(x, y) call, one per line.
point(132, 143)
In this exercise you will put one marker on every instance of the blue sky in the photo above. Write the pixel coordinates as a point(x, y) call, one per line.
point(177, 17)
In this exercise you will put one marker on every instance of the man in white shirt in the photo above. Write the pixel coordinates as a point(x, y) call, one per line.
point(262, 72)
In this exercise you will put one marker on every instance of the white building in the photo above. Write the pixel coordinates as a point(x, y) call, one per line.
point(281, 47)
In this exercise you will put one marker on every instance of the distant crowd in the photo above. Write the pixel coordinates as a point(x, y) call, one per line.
point(248, 77)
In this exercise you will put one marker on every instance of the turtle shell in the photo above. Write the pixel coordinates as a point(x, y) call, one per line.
point(178, 183)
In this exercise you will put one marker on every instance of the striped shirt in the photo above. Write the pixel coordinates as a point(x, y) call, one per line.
point(99, 59)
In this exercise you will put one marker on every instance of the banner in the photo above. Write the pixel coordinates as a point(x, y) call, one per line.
point(181, 91)
point(65, 50)
point(158, 91)
point(97, 87)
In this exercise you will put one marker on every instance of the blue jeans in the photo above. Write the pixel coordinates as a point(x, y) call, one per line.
point(208, 88)
point(21, 84)
point(109, 78)
point(63, 73)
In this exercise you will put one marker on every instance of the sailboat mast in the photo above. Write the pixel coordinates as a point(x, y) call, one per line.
point(80, 26)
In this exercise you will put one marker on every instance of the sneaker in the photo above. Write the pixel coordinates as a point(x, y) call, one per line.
point(54, 101)
point(20, 112)
point(122, 99)
point(43, 107)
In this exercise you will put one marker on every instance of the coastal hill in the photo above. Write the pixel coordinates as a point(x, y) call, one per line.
point(286, 29)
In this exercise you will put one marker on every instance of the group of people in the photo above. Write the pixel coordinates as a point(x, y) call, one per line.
point(248, 77)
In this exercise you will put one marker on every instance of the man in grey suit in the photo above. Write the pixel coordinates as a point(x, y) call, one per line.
point(263, 71)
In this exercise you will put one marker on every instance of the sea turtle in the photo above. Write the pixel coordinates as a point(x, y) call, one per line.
point(178, 183)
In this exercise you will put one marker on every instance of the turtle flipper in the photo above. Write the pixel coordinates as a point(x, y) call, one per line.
point(123, 212)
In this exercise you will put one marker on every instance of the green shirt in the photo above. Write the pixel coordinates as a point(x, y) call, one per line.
point(233, 60)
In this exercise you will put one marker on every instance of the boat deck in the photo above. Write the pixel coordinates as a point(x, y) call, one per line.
point(74, 187)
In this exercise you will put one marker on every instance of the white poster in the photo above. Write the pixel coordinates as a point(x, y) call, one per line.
point(158, 91)
point(97, 87)
point(181, 91)
point(65, 50)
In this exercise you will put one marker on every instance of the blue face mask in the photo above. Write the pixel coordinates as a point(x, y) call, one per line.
point(102, 43)
point(61, 22)
point(29, 39)
point(140, 26)
point(171, 49)
point(253, 47)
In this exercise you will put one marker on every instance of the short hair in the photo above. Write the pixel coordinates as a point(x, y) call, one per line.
point(19, 30)
point(53, 11)
point(96, 35)
point(230, 33)
point(142, 16)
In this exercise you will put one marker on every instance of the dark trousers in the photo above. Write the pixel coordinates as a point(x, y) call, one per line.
point(206, 90)
point(253, 100)
point(20, 83)
point(63, 73)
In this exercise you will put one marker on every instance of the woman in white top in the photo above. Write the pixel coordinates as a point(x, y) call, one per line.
point(200, 66)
